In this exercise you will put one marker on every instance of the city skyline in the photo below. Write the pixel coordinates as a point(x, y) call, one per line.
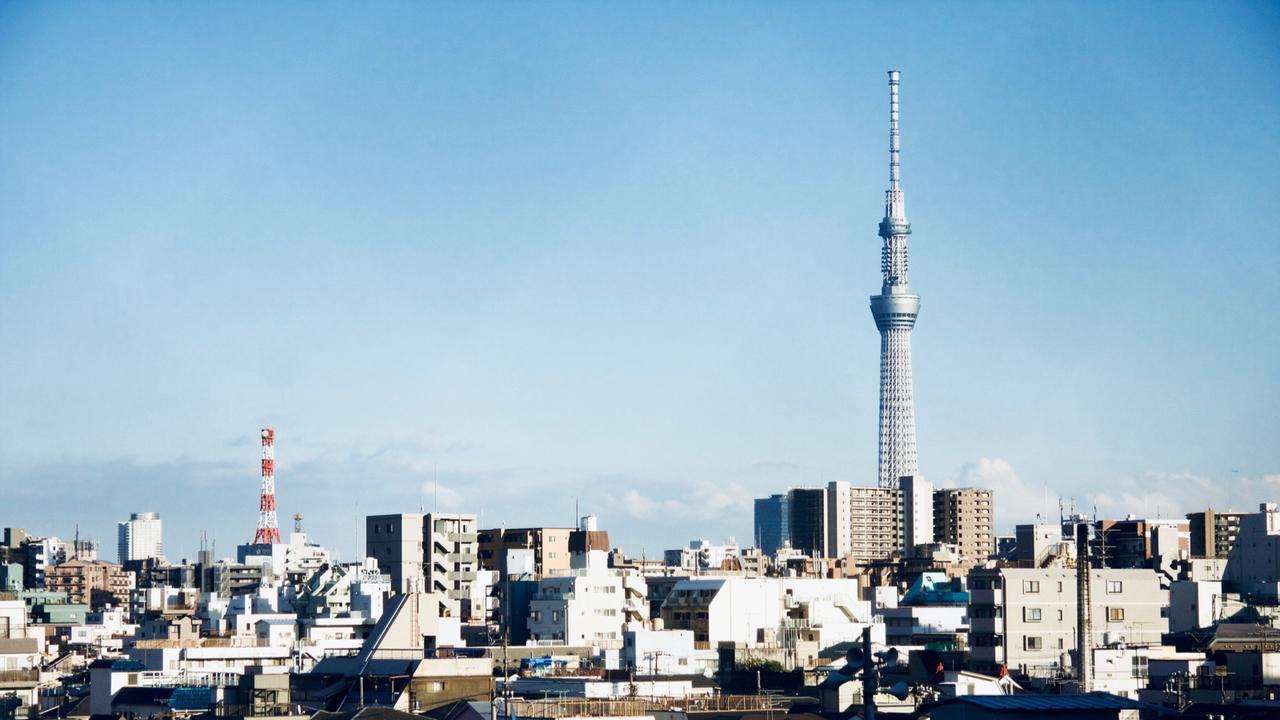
point(628, 276)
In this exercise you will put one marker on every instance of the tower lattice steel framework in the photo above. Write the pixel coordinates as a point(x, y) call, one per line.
point(268, 523)
point(895, 310)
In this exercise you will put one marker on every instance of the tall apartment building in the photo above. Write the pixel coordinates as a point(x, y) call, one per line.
point(1213, 532)
point(917, 513)
point(550, 547)
point(451, 560)
point(772, 523)
point(140, 537)
point(1253, 565)
point(863, 522)
point(435, 552)
point(94, 583)
point(1025, 618)
point(965, 517)
point(396, 542)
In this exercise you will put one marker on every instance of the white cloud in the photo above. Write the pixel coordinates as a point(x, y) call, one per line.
point(446, 497)
point(1016, 501)
point(698, 501)
point(1152, 494)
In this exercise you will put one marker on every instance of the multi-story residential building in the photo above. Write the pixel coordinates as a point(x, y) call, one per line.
point(772, 523)
point(1038, 544)
point(140, 537)
point(549, 545)
point(934, 612)
point(451, 560)
point(757, 610)
point(755, 562)
point(1132, 542)
point(1253, 565)
point(964, 517)
point(588, 607)
point(916, 495)
point(704, 555)
point(24, 559)
point(396, 541)
point(588, 545)
point(227, 579)
point(94, 583)
point(1025, 618)
point(1213, 532)
point(864, 523)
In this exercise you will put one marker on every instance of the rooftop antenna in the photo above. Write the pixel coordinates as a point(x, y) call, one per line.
point(75, 546)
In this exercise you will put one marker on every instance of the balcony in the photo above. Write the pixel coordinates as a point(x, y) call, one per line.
point(19, 678)
point(993, 596)
point(987, 625)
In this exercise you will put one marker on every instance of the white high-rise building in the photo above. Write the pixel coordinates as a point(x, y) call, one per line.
point(140, 537)
point(917, 513)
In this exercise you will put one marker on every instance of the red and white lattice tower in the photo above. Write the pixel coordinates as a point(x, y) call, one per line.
point(268, 524)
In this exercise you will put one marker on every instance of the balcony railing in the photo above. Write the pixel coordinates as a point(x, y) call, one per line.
point(19, 676)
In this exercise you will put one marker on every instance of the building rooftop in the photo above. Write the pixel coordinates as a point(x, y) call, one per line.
point(1044, 703)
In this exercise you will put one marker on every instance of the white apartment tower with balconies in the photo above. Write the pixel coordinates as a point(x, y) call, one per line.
point(140, 537)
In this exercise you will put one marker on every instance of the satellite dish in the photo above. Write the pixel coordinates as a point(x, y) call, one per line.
point(899, 690)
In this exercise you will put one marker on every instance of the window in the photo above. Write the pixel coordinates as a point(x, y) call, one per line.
point(1034, 643)
point(1031, 614)
point(1059, 615)
point(1115, 614)
point(1115, 586)
point(1060, 644)
point(1030, 586)
point(1059, 586)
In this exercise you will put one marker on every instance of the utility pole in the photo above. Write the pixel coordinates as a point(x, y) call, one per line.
point(870, 678)
point(1084, 636)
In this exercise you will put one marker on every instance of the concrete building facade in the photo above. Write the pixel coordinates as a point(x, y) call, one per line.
point(1253, 565)
point(396, 542)
point(965, 518)
point(549, 546)
point(589, 607)
point(94, 583)
point(451, 559)
point(1213, 532)
point(865, 522)
point(1025, 618)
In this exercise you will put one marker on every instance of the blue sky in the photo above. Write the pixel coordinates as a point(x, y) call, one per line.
point(502, 257)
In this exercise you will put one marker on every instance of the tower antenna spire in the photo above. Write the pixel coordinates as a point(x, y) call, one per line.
point(894, 147)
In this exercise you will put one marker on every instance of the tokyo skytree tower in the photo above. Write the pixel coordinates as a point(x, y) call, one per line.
point(895, 310)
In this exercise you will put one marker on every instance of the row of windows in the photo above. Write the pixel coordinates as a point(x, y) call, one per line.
point(1033, 642)
point(1033, 586)
point(700, 615)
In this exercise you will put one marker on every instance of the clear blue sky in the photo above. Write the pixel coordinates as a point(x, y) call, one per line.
point(621, 253)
